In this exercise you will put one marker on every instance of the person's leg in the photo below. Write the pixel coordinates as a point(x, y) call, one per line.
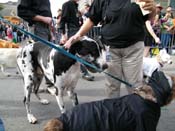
point(163, 40)
point(132, 64)
point(146, 51)
point(115, 68)
point(85, 73)
point(43, 31)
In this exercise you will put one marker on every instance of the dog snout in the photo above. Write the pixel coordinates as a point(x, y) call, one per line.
point(104, 66)
point(170, 62)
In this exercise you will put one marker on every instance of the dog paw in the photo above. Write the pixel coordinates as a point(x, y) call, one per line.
point(44, 101)
point(63, 111)
point(8, 75)
point(51, 90)
point(31, 119)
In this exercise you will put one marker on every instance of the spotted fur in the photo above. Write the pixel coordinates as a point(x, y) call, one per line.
point(37, 60)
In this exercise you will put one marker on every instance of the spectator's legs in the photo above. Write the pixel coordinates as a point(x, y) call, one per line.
point(126, 64)
point(85, 73)
point(132, 65)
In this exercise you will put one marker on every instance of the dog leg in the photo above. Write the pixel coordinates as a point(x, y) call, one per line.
point(28, 90)
point(60, 101)
point(42, 101)
point(3, 71)
point(37, 83)
point(25, 64)
point(73, 96)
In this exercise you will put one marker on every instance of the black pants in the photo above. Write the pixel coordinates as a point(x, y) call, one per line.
point(42, 30)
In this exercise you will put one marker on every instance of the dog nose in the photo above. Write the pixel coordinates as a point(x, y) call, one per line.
point(171, 62)
point(105, 66)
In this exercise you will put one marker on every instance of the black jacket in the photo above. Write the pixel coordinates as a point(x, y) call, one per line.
point(122, 21)
point(128, 113)
point(27, 9)
point(70, 16)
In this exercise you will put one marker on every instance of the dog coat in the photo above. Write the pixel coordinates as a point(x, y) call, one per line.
point(128, 113)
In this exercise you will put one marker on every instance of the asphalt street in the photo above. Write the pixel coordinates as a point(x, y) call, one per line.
point(13, 113)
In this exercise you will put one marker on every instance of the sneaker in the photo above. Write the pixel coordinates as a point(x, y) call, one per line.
point(88, 77)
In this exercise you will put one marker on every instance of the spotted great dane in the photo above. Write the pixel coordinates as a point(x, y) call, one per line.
point(38, 60)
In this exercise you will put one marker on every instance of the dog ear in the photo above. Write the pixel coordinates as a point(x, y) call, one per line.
point(172, 95)
point(173, 87)
point(53, 125)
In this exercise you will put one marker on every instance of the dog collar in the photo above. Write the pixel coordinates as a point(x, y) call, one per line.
point(161, 64)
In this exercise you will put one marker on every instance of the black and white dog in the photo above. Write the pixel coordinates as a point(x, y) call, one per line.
point(37, 60)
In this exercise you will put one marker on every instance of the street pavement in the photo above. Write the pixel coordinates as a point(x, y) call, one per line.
point(13, 112)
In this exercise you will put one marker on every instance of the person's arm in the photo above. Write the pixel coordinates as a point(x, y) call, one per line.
point(44, 19)
point(24, 10)
point(63, 22)
point(150, 6)
point(87, 25)
point(151, 31)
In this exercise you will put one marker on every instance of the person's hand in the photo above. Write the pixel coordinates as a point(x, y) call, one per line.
point(149, 5)
point(157, 40)
point(63, 39)
point(47, 20)
point(71, 41)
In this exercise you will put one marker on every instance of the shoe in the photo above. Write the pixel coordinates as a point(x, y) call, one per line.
point(88, 77)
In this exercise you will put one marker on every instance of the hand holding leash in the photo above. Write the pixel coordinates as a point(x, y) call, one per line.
point(63, 39)
point(72, 40)
point(157, 40)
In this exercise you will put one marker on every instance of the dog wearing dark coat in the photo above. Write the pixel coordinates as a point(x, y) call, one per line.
point(139, 111)
point(37, 60)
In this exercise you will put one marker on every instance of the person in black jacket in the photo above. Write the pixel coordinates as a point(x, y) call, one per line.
point(70, 21)
point(123, 30)
point(39, 17)
point(38, 14)
point(139, 111)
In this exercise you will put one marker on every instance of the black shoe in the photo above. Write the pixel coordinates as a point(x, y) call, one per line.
point(88, 77)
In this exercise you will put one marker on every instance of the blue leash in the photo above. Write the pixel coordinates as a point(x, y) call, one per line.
point(52, 45)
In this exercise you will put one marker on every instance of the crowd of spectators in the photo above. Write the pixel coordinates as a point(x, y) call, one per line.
point(11, 33)
point(164, 26)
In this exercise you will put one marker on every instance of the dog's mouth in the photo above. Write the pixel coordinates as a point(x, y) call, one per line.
point(97, 67)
